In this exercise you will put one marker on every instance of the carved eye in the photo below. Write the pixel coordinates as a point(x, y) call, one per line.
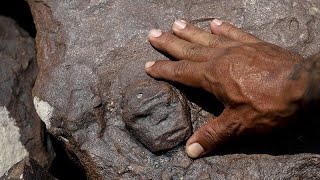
point(155, 114)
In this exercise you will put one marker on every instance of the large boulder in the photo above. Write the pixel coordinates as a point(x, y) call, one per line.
point(93, 94)
point(22, 133)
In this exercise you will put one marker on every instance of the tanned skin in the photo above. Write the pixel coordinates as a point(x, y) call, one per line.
point(261, 85)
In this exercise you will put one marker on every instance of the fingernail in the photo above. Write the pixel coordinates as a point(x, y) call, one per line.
point(149, 64)
point(217, 22)
point(179, 24)
point(155, 33)
point(194, 150)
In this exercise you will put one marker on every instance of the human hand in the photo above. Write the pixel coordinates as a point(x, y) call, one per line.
point(253, 79)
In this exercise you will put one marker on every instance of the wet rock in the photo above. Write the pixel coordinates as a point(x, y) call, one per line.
point(91, 57)
point(21, 130)
point(27, 169)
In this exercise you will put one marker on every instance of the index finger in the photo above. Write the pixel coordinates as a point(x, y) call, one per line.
point(189, 73)
point(180, 48)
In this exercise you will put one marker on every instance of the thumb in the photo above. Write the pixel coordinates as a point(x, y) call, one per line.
point(212, 134)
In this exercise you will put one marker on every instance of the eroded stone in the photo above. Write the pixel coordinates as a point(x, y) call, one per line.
point(155, 114)
point(85, 48)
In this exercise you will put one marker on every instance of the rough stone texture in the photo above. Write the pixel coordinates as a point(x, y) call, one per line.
point(303, 166)
point(12, 150)
point(22, 132)
point(155, 114)
point(27, 169)
point(90, 53)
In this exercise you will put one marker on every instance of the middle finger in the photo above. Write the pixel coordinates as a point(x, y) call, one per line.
point(179, 48)
point(193, 34)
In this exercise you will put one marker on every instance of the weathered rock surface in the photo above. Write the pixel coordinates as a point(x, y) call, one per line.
point(155, 114)
point(27, 169)
point(91, 56)
point(21, 130)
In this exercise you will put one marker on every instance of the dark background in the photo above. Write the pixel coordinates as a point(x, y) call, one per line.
point(19, 11)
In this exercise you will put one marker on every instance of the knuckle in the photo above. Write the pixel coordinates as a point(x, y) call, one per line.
point(180, 69)
point(195, 32)
point(211, 135)
point(244, 36)
point(247, 48)
point(214, 42)
point(191, 51)
point(231, 29)
point(234, 128)
point(167, 40)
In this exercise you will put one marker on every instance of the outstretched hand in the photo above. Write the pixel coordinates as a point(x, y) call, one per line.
point(252, 78)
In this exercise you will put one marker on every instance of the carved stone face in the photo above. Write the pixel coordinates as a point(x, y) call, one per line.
point(155, 114)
